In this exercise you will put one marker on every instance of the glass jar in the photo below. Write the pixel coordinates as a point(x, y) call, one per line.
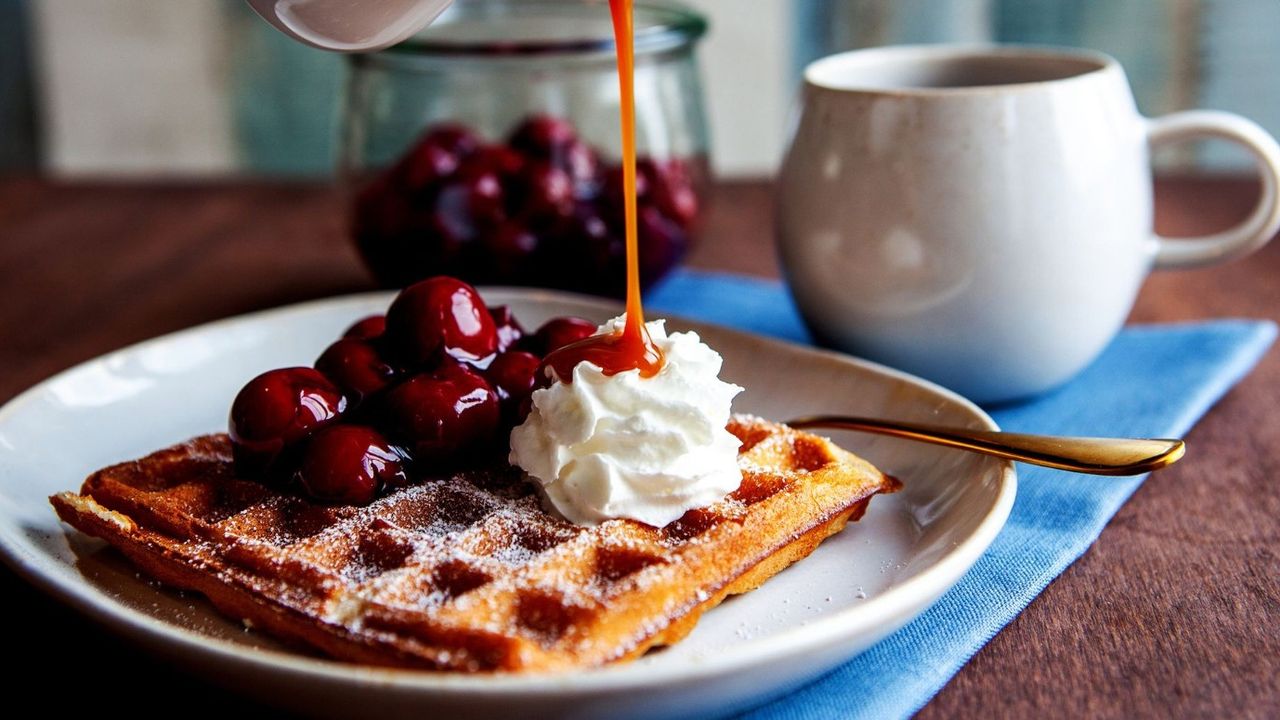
point(487, 147)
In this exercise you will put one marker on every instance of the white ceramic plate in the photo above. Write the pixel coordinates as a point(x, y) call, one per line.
point(854, 590)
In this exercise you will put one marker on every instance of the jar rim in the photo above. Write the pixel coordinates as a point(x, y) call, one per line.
point(659, 26)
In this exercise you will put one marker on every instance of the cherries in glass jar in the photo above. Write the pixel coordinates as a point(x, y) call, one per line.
point(541, 208)
point(438, 381)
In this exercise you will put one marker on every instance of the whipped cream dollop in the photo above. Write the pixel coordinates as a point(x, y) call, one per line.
point(626, 446)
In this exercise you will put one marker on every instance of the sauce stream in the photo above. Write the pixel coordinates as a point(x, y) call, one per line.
point(631, 349)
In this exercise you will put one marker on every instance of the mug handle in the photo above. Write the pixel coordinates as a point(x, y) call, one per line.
point(1262, 223)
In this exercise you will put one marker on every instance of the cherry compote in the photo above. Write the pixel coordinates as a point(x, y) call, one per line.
point(558, 332)
point(350, 464)
point(443, 415)
point(275, 412)
point(436, 382)
point(441, 316)
point(514, 375)
point(356, 367)
point(368, 328)
point(508, 328)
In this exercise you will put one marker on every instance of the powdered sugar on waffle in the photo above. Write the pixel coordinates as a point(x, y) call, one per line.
point(462, 571)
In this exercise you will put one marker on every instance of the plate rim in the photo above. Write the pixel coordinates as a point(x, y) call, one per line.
point(160, 635)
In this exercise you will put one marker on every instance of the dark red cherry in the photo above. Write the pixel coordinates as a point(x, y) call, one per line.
point(543, 137)
point(442, 414)
point(545, 192)
point(440, 314)
point(508, 328)
point(583, 166)
point(509, 252)
point(662, 243)
point(611, 193)
point(381, 211)
point(450, 221)
point(395, 235)
point(496, 159)
point(558, 332)
point(446, 244)
point(357, 367)
point(484, 197)
point(584, 253)
point(427, 165)
point(511, 373)
point(277, 410)
point(350, 464)
point(587, 226)
point(644, 181)
point(368, 328)
point(436, 156)
point(672, 192)
point(514, 375)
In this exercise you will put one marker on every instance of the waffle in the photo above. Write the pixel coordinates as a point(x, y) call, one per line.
point(468, 572)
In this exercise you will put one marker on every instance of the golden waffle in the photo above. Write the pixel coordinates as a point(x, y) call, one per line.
point(468, 573)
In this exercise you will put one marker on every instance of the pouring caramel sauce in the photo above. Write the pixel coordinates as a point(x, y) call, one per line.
point(341, 25)
point(632, 348)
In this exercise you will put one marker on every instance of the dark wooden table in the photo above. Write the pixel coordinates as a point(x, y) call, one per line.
point(1175, 611)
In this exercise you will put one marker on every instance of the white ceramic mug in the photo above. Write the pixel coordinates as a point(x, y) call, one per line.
point(982, 216)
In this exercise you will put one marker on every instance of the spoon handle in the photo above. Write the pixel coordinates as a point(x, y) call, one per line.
point(1095, 456)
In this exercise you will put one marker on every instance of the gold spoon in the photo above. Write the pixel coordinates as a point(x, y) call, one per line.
point(1095, 456)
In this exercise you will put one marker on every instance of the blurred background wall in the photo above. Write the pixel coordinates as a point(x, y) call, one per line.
point(199, 87)
point(19, 137)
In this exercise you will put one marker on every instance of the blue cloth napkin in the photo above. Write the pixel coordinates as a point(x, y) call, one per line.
point(1153, 381)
